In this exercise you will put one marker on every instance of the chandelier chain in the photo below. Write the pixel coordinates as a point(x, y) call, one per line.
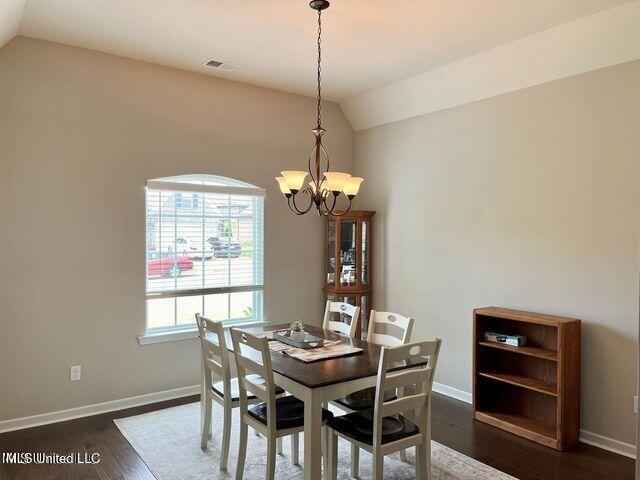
point(319, 68)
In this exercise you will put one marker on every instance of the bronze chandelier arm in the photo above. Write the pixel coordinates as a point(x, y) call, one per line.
point(326, 155)
point(326, 194)
point(292, 200)
point(344, 212)
point(330, 211)
point(314, 166)
point(311, 169)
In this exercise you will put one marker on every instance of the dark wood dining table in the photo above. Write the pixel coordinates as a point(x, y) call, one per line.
point(322, 381)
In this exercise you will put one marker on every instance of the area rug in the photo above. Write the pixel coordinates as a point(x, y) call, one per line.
point(169, 443)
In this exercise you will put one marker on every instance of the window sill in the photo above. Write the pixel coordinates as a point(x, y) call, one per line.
point(151, 338)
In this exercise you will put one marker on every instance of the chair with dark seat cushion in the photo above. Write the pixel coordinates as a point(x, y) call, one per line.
point(385, 328)
point(363, 399)
point(359, 426)
point(215, 361)
point(289, 413)
point(275, 417)
point(395, 425)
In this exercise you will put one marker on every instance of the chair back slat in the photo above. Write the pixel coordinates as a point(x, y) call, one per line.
point(388, 328)
point(251, 365)
point(256, 389)
point(253, 355)
point(403, 404)
point(411, 351)
point(252, 341)
point(420, 378)
point(210, 346)
point(345, 310)
point(214, 367)
point(408, 377)
point(215, 356)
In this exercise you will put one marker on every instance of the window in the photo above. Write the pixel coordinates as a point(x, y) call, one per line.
point(204, 251)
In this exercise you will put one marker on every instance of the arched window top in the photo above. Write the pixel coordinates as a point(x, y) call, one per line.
point(205, 183)
point(204, 179)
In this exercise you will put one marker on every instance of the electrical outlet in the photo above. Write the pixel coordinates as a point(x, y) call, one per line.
point(75, 373)
point(635, 404)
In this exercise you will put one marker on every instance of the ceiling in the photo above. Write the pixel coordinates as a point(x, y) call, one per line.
point(367, 44)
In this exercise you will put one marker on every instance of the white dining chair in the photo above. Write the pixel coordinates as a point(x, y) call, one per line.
point(398, 424)
point(343, 309)
point(275, 417)
point(387, 329)
point(215, 362)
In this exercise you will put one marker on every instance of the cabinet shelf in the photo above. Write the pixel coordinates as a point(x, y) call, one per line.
point(523, 381)
point(524, 350)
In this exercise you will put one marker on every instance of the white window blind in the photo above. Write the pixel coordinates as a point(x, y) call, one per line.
point(204, 251)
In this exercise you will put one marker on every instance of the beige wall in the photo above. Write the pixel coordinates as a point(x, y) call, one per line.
point(528, 200)
point(80, 133)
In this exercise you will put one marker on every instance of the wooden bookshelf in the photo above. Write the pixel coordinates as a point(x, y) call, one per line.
point(532, 391)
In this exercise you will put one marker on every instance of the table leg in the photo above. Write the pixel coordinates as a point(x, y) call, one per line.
point(312, 437)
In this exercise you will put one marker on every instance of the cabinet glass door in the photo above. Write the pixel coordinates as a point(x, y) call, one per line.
point(365, 252)
point(331, 253)
point(348, 267)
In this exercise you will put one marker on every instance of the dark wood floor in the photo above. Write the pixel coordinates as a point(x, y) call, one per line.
point(452, 426)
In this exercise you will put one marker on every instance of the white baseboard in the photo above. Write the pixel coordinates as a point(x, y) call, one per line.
point(452, 392)
point(96, 409)
point(607, 443)
point(590, 438)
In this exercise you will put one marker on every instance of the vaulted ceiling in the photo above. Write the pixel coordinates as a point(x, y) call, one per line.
point(367, 44)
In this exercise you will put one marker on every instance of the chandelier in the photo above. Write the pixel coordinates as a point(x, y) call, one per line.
point(325, 187)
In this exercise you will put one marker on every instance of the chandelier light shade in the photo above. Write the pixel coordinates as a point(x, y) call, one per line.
point(324, 186)
point(294, 179)
point(352, 185)
point(335, 180)
point(284, 188)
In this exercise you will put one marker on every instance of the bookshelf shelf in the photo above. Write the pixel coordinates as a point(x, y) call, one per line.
point(531, 351)
point(520, 425)
point(523, 381)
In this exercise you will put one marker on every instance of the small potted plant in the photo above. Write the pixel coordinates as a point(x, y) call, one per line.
point(297, 331)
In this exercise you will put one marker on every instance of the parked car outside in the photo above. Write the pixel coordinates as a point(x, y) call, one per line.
point(192, 249)
point(167, 264)
point(223, 247)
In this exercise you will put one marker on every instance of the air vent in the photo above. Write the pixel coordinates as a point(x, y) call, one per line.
point(228, 66)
